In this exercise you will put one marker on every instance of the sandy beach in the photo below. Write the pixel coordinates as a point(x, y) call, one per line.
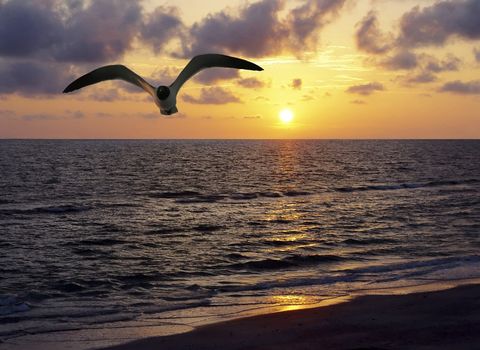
point(448, 319)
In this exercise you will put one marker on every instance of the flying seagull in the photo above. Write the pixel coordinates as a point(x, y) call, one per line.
point(165, 97)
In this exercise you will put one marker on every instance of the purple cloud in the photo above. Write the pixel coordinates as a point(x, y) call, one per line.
point(251, 83)
point(365, 89)
point(421, 78)
point(476, 53)
point(369, 38)
point(214, 95)
point(160, 26)
point(101, 32)
point(296, 84)
point(258, 30)
point(462, 88)
point(30, 78)
point(28, 27)
point(403, 60)
point(435, 24)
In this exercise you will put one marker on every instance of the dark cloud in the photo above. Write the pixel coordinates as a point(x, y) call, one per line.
point(365, 89)
point(252, 117)
point(258, 29)
point(296, 84)
point(27, 27)
point(31, 78)
point(403, 60)
point(101, 32)
point(435, 24)
point(476, 53)
point(462, 88)
point(161, 26)
point(212, 75)
point(421, 78)
point(251, 83)
point(451, 63)
point(214, 95)
point(369, 38)
point(51, 30)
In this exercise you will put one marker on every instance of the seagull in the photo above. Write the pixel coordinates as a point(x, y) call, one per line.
point(165, 97)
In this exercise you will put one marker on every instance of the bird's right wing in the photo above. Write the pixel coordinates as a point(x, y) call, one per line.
point(109, 73)
point(200, 62)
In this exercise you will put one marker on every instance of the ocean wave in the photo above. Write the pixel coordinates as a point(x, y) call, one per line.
point(406, 185)
point(9, 304)
point(378, 273)
point(287, 262)
point(437, 264)
point(97, 242)
point(367, 241)
point(172, 194)
point(59, 209)
point(192, 197)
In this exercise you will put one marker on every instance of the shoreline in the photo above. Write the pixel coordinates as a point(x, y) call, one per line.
point(433, 319)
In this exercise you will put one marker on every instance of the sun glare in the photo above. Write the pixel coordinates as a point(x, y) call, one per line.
point(286, 115)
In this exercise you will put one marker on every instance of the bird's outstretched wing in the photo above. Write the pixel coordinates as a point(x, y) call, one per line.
point(200, 62)
point(117, 71)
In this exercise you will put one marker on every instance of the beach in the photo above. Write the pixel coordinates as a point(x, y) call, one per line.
point(446, 319)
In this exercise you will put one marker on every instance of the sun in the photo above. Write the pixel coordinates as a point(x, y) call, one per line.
point(286, 115)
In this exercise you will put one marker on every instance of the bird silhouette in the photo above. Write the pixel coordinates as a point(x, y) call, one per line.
point(165, 97)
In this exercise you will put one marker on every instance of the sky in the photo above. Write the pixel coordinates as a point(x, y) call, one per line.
point(350, 69)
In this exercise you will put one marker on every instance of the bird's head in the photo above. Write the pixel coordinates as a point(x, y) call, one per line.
point(163, 92)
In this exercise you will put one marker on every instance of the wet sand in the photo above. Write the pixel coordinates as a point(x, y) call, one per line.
point(447, 319)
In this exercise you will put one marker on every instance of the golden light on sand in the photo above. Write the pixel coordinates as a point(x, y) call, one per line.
point(286, 115)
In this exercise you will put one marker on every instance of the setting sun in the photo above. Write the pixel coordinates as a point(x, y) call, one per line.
point(286, 115)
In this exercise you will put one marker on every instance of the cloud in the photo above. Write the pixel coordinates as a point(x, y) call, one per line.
point(214, 95)
point(421, 78)
point(451, 63)
point(462, 88)
point(365, 89)
point(97, 32)
point(435, 24)
point(253, 117)
point(296, 84)
point(402, 60)
point(212, 75)
point(476, 53)
point(258, 30)
point(103, 31)
point(27, 27)
point(369, 38)
point(251, 83)
point(32, 78)
point(160, 26)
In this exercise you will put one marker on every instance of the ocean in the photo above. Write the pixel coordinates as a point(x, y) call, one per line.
point(105, 237)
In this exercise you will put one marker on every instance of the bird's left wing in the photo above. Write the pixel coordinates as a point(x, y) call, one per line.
point(200, 62)
point(116, 71)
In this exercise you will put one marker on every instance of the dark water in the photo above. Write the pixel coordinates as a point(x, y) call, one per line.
point(107, 231)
